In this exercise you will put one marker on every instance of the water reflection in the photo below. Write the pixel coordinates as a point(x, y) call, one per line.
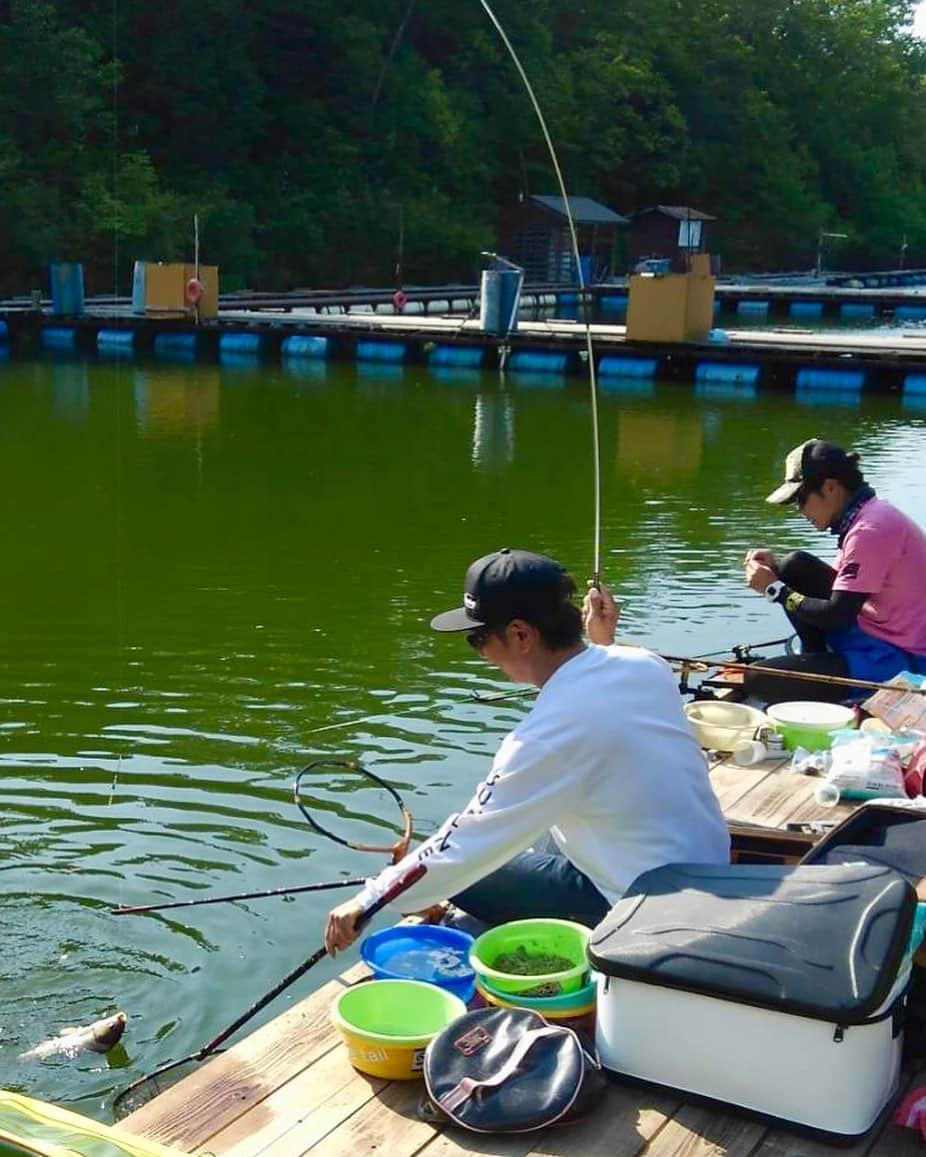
point(493, 431)
point(172, 404)
point(657, 443)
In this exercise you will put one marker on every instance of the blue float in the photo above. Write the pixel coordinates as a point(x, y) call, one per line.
point(856, 310)
point(4, 331)
point(240, 343)
point(727, 373)
point(173, 342)
point(806, 309)
point(304, 346)
point(466, 356)
point(914, 386)
point(115, 339)
point(910, 312)
point(392, 352)
point(843, 381)
point(752, 308)
point(621, 367)
point(59, 337)
point(567, 299)
point(537, 362)
point(613, 302)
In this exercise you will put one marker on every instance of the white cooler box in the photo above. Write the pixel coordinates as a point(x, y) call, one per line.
point(778, 990)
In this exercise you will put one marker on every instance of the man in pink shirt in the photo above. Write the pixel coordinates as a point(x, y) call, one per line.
point(864, 616)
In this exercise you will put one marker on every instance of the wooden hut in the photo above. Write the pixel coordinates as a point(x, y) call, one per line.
point(537, 237)
point(667, 232)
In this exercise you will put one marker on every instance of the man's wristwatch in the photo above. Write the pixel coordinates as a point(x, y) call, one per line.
point(773, 591)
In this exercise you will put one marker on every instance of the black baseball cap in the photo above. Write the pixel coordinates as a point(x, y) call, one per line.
point(809, 464)
point(508, 584)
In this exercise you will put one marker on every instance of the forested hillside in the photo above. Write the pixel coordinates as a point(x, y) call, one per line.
point(298, 128)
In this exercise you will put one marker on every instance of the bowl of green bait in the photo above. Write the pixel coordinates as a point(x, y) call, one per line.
point(533, 957)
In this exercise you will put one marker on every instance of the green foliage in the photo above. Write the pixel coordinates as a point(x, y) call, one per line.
point(308, 133)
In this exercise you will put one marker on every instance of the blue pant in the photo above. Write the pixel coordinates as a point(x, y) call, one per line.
point(534, 885)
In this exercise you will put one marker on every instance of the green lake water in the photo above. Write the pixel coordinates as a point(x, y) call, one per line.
point(216, 573)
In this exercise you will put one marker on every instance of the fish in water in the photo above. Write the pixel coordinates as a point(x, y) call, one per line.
point(98, 1037)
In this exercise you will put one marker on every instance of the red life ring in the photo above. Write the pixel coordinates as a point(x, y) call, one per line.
point(194, 291)
point(399, 300)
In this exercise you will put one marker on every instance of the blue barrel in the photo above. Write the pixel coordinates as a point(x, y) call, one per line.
point(621, 367)
point(468, 356)
point(391, 352)
point(910, 312)
point(139, 287)
point(840, 381)
point(499, 299)
point(914, 386)
point(59, 337)
point(4, 331)
point(613, 303)
point(240, 343)
point(727, 373)
point(115, 340)
point(304, 346)
point(67, 288)
point(806, 309)
point(537, 362)
point(165, 342)
point(752, 308)
point(856, 309)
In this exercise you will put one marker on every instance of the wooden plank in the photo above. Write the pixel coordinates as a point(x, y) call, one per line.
point(731, 783)
point(622, 1126)
point(229, 1085)
point(388, 1124)
point(296, 1116)
point(777, 799)
point(699, 1131)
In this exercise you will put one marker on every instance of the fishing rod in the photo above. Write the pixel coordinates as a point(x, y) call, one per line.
point(138, 909)
point(129, 1099)
point(790, 673)
point(589, 352)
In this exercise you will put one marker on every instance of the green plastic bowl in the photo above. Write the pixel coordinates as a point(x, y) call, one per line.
point(387, 1024)
point(807, 724)
point(536, 938)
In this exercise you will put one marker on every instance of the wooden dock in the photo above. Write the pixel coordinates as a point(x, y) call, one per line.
point(288, 1089)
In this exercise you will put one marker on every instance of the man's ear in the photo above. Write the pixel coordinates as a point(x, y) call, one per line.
point(520, 633)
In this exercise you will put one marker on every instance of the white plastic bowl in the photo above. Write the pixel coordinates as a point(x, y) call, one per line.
point(719, 726)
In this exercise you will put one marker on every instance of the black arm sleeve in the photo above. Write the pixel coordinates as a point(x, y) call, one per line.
point(839, 610)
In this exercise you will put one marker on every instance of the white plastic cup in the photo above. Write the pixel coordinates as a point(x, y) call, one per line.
point(749, 751)
point(827, 794)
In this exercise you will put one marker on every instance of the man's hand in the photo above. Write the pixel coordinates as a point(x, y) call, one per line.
point(758, 576)
point(341, 930)
point(763, 557)
point(600, 614)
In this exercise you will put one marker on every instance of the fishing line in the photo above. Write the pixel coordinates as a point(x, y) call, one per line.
point(596, 453)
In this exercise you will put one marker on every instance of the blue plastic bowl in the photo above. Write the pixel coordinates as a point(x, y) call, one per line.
point(427, 952)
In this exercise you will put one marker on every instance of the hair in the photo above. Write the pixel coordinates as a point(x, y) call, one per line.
point(559, 627)
point(847, 473)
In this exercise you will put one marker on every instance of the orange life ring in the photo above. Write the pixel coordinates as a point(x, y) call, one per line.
point(194, 291)
point(399, 300)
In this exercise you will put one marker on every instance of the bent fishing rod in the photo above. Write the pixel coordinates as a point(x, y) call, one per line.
point(404, 882)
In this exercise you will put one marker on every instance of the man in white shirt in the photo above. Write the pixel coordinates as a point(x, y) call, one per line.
point(605, 761)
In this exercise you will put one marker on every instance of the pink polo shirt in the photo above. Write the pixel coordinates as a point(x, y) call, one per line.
point(884, 555)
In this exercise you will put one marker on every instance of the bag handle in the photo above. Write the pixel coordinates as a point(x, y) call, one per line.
point(462, 1092)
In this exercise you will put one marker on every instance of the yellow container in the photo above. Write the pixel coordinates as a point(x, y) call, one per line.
point(387, 1024)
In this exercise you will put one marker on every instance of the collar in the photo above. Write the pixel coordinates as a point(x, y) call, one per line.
point(840, 526)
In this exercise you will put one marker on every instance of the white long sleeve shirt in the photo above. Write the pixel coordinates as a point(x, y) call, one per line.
point(605, 761)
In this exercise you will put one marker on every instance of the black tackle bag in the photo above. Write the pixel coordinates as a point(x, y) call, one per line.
point(505, 1070)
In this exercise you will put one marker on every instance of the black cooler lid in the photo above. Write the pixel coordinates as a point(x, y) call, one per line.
point(824, 942)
